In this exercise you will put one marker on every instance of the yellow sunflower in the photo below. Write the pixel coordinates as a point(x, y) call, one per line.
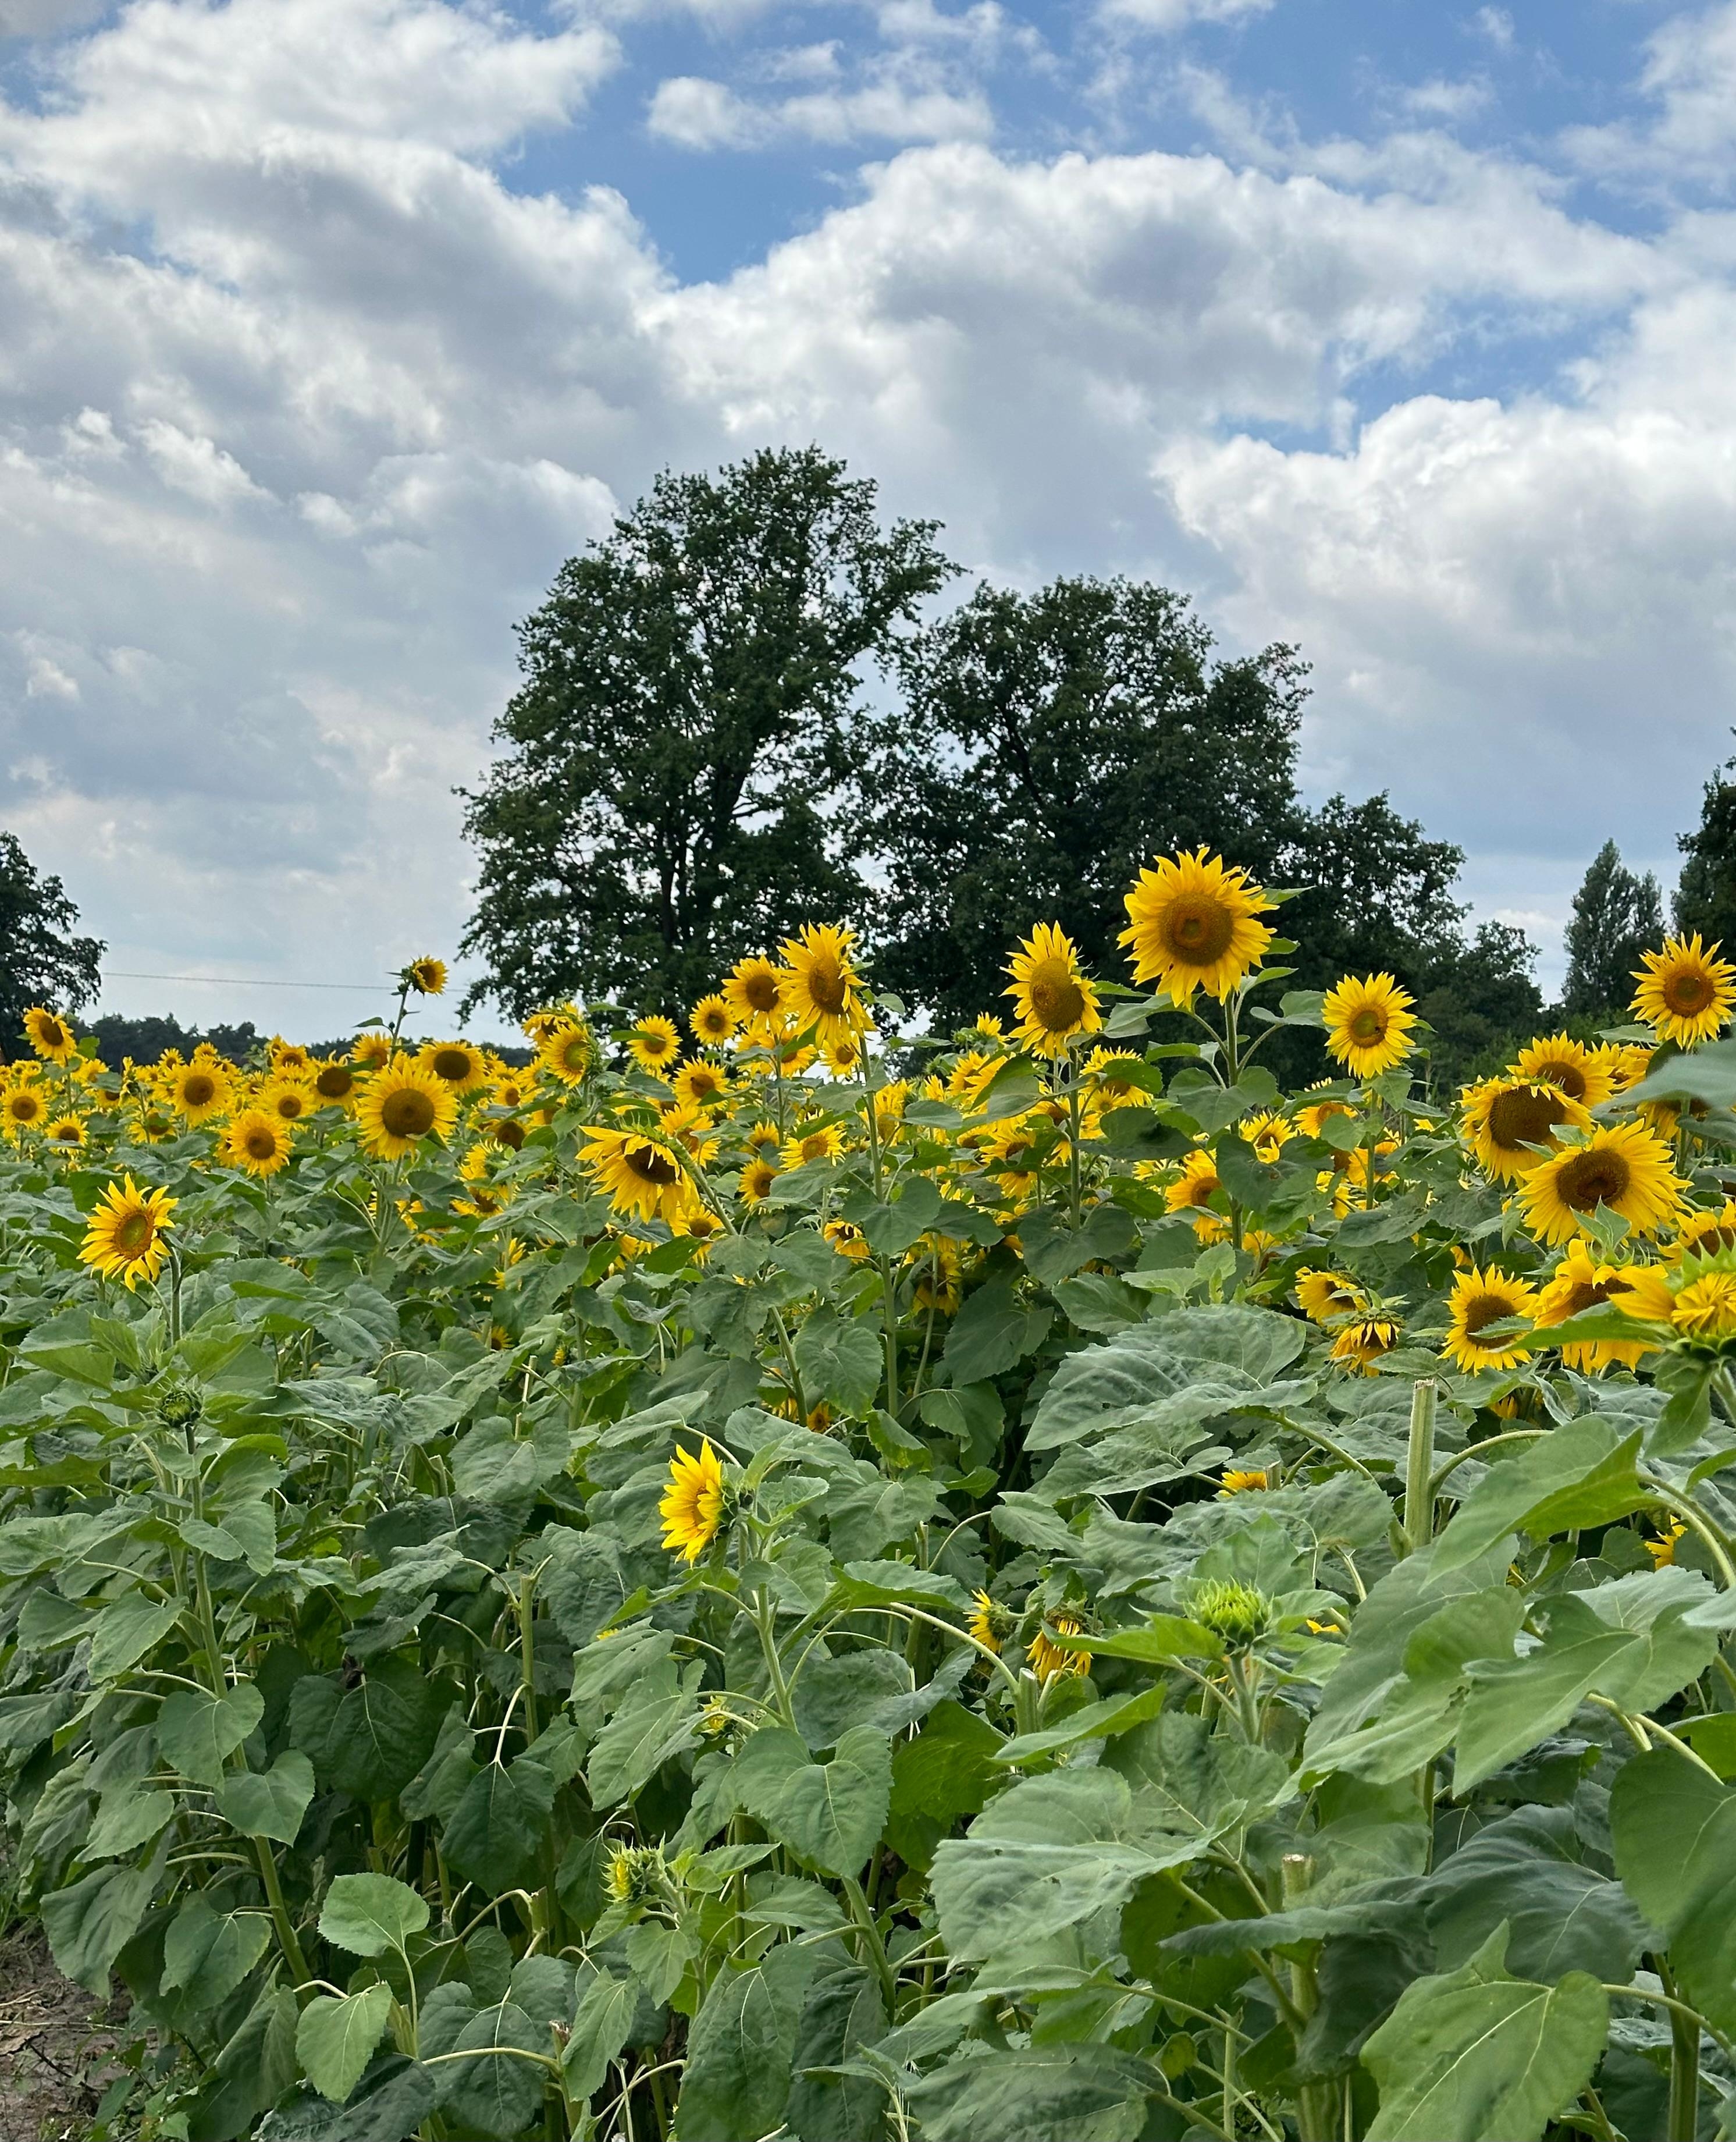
point(1268, 1134)
point(691, 1507)
point(427, 976)
point(567, 1053)
point(1368, 1020)
point(1705, 1307)
point(49, 1035)
point(1360, 1342)
point(1324, 1294)
point(1050, 993)
point(822, 988)
point(546, 1018)
point(1686, 991)
point(653, 1042)
point(1108, 1073)
point(150, 1126)
point(639, 1174)
point(1704, 1234)
point(128, 1235)
point(818, 1141)
point(990, 1623)
point(701, 1085)
point(1310, 1116)
point(1479, 1299)
point(847, 1239)
point(1583, 1074)
point(680, 1124)
point(1624, 1064)
point(754, 994)
point(289, 1056)
point(1195, 1185)
point(258, 1143)
point(288, 1100)
point(1191, 925)
point(67, 1131)
point(1241, 1480)
point(336, 1084)
point(696, 1223)
point(372, 1051)
point(1049, 1661)
point(1624, 1167)
point(1580, 1283)
point(458, 1065)
point(713, 1022)
point(843, 1056)
point(22, 1108)
point(199, 1091)
point(1505, 1118)
point(757, 1177)
point(400, 1106)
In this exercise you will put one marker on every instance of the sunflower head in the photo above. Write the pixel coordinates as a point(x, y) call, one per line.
point(1583, 1074)
point(754, 995)
point(1239, 1613)
point(821, 986)
point(458, 1065)
point(1481, 1298)
point(1624, 1166)
point(1581, 1282)
point(757, 1177)
point(1191, 926)
point(66, 1131)
point(1325, 1294)
point(1241, 1480)
point(713, 1024)
point(256, 1142)
point(1052, 1661)
point(1054, 999)
point(1368, 1020)
point(289, 1099)
point(22, 1108)
point(50, 1035)
point(127, 1238)
point(371, 1050)
point(1361, 1341)
point(199, 1091)
point(700, 1085)
point(400, 1106)
point(1507, 1120)
point(654, 1043)
point(692, 1504)
point(641, 1175)
point(1686, 991)
point(427, 977)
point(567, 1053)
point(335, 1083)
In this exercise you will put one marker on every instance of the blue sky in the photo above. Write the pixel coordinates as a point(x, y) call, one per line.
point(328, 327)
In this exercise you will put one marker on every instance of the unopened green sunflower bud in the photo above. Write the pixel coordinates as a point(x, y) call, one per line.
point(1238, 1612)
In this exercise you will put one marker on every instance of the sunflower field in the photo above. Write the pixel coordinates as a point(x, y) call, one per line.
point(773, 1577)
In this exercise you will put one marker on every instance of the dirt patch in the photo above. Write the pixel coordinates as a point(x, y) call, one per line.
point(53, 2048)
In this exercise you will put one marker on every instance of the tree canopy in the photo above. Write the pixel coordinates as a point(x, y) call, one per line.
point(682, 761)
point(41, 959)
point(1705, 896)
point(1616, 916)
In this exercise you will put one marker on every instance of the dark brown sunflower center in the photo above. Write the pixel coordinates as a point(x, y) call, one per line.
point(1688, 990)
point(651, 1166)
point(826, 986)
point(1710, 1240)
point(1586, 1179)
point(1056, 996)
point(68, 1134)
point(1583, 1294)
point(451, 1064)
point(761, 991)
point(509, 1134)
point(1522, 1117)
point(814, 1147)
point(135, 1233)
point(1566, 1079)
point(260, 1143)
point(54, 1034)
point(1199, 932)
point(408, 1114)
point(1368, 1026)
point(200, 1089)
point(1483, 1309)
point(291, 1105)
point(23, 1108)
point(334, 1081)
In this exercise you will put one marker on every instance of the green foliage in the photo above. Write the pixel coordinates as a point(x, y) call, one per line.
point(41, 962)
point(1616, 916)
point(1705, 895)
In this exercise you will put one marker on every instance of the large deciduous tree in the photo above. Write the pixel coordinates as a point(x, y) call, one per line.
point(41, 959)
point(1616, 916)
point(680, 774)
point(1705, 896)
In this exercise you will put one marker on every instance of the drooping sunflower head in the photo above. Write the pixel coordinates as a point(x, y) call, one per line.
point(458, 1065)
point(255, 1142)
point(1703, 1234)
point(49, 1034)
point(567, 1053)
point(1686, 991)
point(1052, 995)
point(713, 1022)
point(701, 1085)
point(1368, 1020)
point(1583, 1074)
point(426, 977)
point(1324, 1294)
point(199, 1091)
point(400, 1106)
point(1361, 1341)
point(67, 1131)
point(691, 1507)
point(1482, 1297)
point(542, 1022)
point(653, 1043)
point(639, 1174)
point(990, 1623)
point(127, 1237)
point(1050, 1660)
point(1506, 1119)
point(1191, 926)
point(1581, 1282)
point(821, 986)
point(1623, 1166)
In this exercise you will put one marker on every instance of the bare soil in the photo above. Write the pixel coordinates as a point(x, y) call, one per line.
point(53, 2048)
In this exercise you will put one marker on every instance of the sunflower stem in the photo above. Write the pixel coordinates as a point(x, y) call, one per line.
point(1419, 1465)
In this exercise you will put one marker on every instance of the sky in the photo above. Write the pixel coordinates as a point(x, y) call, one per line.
point(1405, 333)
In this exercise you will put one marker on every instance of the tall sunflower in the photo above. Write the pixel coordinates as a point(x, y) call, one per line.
point(1504, 1118)
point(128, 1235)
point(713, 1022)
point(255, 1142)
point(567, 1053)
point(754, 993)
point(1583, 1074)
point(1050, 992)
point(1191, 925)
point(1623, 1166)
point(49, 1035)
point(1479, 1299)
point(400, 1105)
point(821, 987)
point(1686, 991)
point(653, 1042)
point(459, 1065)
point(639, 1174)
point(691, 1507)
point(1368, 1020)
point(427, 976)
point(199, 1091)
point(288, 1057)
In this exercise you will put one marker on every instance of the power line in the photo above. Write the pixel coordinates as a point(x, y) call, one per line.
point(240, 982)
